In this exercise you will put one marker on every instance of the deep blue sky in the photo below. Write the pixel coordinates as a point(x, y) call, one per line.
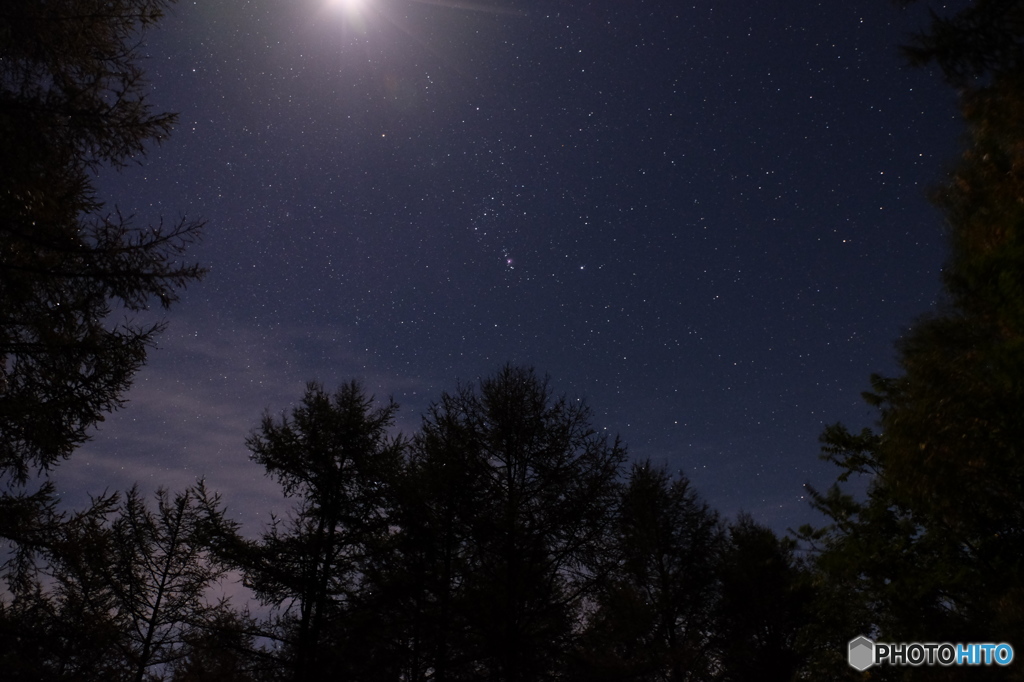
point(707, 219)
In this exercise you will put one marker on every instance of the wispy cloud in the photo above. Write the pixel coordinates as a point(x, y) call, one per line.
point(203, 391)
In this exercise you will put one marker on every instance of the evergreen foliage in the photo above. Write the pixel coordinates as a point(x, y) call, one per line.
point(122, 589)
point(519, 491)
point(80, 601)
point(334, 456)
point(656, 609)
point(73, 101)
point(934, 551)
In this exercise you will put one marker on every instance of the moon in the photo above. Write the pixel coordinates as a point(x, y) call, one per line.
point(352, 8)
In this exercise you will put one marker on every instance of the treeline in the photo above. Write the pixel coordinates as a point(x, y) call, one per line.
point(506, 539)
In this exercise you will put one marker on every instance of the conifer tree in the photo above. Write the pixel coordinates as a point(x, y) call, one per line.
point(517, 489)
point(73, 101)
point(121, 589)
point(933, 552)
point(334, 456)
point(656, 608)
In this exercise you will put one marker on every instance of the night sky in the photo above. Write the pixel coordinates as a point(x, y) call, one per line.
point(708, 219)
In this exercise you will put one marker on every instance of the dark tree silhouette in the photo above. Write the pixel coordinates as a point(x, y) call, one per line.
point(439, 500)
point(539, 483)
point(66, 632)
point(225, 650)
point(656, 612)
point(499, 519)
point(334, 456)
point(72, 100)
point(122, 595)
point(159, 572)
point(764, 604)
point(977, 41)
point(933, 551)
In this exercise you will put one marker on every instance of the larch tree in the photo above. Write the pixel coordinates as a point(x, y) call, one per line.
point(933, 551)
point(159, 572)
point(763, 606)
point(73, 101)
point(654, 615)
point(75, 278)
point(518, 543)
point(123, 589)
point(335, 457)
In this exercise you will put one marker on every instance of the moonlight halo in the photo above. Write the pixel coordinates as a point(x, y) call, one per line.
point(351, 8)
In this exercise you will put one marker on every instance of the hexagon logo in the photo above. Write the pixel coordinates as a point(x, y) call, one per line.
point(862, 653)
